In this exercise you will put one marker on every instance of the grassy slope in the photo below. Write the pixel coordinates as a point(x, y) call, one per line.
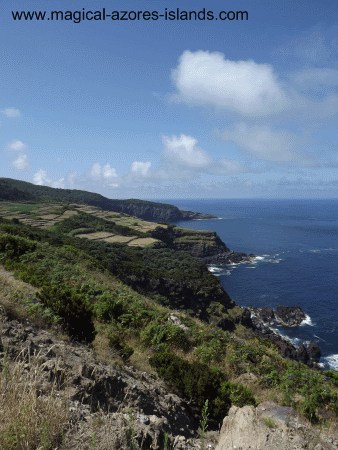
point(139, 324)
point(21, 190)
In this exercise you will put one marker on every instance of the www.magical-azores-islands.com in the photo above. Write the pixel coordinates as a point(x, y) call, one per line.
point(103, 15)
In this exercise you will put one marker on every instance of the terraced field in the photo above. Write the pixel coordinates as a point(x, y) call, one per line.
point(45, 216)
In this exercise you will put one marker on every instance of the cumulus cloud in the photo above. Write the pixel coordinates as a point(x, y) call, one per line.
point(68, 182)
point(21, 162)
point(11, 112)
point(183, 151)
point(245, 87)
point(16, 146)
point(40, 178)
point(183, 160)
point(103, 173)
point(140, 168)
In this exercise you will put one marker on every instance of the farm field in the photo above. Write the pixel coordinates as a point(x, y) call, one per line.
point(48, 215)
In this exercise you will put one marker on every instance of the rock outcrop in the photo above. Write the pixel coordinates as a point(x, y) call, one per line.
point(190, 215)
point(262, 318)
point(90, 384)
point(270, 427)
point(228, 257)
point(289, 315)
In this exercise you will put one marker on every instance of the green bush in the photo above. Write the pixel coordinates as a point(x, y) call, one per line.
point(164, 332)
point(13, 246)
point(196, 381)
point(241, 395)
point(108, 307)
point(116, 342)
point(70, 306)
point(208, 351)
point(332, 375)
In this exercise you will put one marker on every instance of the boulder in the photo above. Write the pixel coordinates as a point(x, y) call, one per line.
point(289, 315)
point(270, 426)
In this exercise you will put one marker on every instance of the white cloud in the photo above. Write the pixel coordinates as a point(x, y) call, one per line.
point(245, 87)
point(21, 162)
point(11, 112)
point(183, 151)
point(16, 146)
point(40, 178)
point(140, 168)
point(103, 173)
point(67, 182)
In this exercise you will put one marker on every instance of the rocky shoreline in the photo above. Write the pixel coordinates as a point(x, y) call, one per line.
point(263, 318)
point(228, 257)
point(190, 215)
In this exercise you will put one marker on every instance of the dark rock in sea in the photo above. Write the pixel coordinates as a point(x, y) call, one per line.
point(289, 315)
point(228, 257)
point(190, 215)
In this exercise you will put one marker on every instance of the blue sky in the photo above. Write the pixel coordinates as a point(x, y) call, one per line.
point(172, 108)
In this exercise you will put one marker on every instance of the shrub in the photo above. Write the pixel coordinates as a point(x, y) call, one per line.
point(157, 333)
point(116, 342)
point(108, 307)
point(194, 380)
point(13, 246)
point(76, 313)
point(210, 350)
point(332, 375)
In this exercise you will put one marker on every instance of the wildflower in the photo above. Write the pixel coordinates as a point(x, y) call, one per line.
point(35, 301)
point(162, 324)
point(25, 304)
point(290, 377)
point(265, 378)
point(131, 328)
point(325, 378)
point(325, 390)
point(211, 331)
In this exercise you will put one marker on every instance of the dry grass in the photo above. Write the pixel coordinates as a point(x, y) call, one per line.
point(142, 242)
point(67, 214)
point(28, 421)
point(49, 216)
point(122, 239)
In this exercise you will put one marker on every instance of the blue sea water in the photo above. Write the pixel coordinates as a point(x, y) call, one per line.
point(296, 244)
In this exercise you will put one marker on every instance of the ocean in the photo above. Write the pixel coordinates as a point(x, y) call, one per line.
point(296, 248)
